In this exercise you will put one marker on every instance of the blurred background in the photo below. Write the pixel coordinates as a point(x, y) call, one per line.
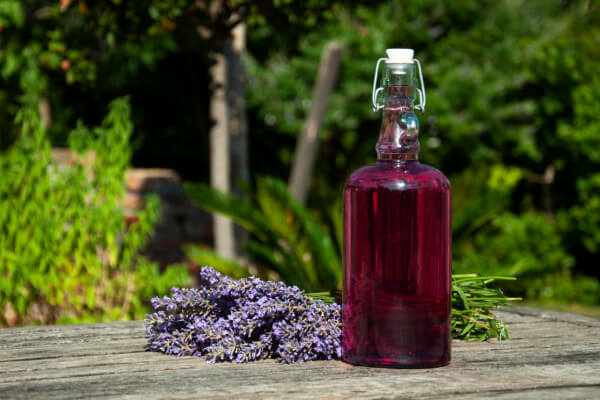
point(124, 125)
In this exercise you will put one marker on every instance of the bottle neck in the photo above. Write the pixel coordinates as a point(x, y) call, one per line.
point(399, 134)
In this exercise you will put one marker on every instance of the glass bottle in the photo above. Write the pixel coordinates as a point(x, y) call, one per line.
point(397, 238)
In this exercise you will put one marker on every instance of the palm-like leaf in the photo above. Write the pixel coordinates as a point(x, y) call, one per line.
point(238, 209)
point(309, 240)
point(286, 238)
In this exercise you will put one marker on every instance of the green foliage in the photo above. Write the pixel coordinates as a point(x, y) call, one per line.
point(157, 51)
point(472, 301)
point(512, 93)
point(286, 239)
point(478, 196)
point(529, 246)
point(524, 245)
point(66, 254)
point(506, 246)
point(584, 218)
point(204, 256)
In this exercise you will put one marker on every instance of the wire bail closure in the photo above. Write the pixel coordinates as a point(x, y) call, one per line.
point(376, 93)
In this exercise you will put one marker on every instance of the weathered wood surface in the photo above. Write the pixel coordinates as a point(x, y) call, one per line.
point(551, 355)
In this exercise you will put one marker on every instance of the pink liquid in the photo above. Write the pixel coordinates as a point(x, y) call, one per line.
point(396, 305)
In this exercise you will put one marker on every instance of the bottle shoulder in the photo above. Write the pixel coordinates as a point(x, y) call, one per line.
point(398, 176)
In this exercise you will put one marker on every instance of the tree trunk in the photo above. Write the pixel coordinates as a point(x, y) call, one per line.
point(228, 137)
point(45, 112)
point(308, 142)
point(238, 126)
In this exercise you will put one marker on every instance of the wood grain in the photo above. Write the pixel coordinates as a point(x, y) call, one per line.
point(551, 355)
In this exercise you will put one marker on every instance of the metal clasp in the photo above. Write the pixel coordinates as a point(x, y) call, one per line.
point(375, 94)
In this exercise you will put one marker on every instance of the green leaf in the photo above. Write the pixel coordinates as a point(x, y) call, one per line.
point(232, 206)
point(202, 256)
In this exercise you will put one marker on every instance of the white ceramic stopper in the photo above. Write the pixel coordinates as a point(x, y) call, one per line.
point(400, 56)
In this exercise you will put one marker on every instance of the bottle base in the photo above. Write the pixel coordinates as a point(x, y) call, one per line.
point(398, 364)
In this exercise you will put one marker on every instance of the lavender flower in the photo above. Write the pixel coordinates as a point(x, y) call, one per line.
point(244, 320)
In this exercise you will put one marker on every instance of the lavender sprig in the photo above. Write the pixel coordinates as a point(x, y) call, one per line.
point(243, 320)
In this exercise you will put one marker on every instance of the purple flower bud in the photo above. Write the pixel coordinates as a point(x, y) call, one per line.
point(244, 320)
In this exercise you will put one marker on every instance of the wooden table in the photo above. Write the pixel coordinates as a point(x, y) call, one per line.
point(551, 355)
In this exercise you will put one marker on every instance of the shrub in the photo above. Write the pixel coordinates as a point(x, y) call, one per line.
point(66, 254)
